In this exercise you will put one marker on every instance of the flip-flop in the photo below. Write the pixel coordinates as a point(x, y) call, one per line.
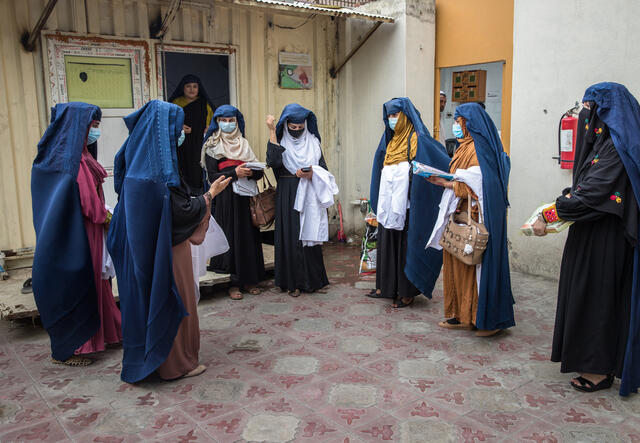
point(589, 386)
point(375, 294)
point(235, 294)
point(196, 371)
point(295, 293)
point(401, 304)
point(254, 291)
point(453, 323)
point(74, 361)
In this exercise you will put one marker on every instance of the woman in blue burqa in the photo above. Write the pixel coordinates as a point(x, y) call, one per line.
point(154, 223)
point(226, 152)
point(405, 207)
point(477, 296)
point(597, 327)
point(294, 153)
point(191, 96)
point(75, 302)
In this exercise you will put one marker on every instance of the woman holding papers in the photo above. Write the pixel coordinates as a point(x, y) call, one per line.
point(404, 268)
point(598, 313)
point(227, 153)
point(305, 191)
point(477, 296)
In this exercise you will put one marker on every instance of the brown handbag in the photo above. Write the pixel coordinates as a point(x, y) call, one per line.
point(465, 238)
point(263, 205)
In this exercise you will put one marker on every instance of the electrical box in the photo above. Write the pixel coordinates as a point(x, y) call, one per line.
point(469, 86)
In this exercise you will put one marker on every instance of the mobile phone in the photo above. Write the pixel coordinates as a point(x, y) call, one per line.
point(307, 169)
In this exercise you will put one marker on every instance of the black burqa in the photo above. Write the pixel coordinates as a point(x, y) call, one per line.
point(195, 116)
point(186, 212)
point(594, 295)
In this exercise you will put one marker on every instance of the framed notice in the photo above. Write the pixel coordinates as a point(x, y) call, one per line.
point(295, 70)
point(102, 81)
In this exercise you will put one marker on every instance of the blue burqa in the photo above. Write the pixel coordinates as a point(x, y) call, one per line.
point(63, 281)
point(225, 111)
point(140, 238)
point(620, 111)
point(294, 113)
point(495, 299)
point(423, 265)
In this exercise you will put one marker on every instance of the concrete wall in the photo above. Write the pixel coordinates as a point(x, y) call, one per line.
point(252, 32)
point(397, 61)
point(560, 48)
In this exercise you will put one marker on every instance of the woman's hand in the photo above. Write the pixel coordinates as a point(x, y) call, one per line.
point(439, 181)
point(540, 227)
point(307, 175)
point(218, 186)
point(241, 171)
point(271, 122)
point(186, 129)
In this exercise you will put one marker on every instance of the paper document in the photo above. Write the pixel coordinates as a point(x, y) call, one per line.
point(256, 166)
point(245, 187)
point(552, 228)
point(428, 171)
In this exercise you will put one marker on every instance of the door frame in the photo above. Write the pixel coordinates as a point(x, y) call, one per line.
point(195, 48)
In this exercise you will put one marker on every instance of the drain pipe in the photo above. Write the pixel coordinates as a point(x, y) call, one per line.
point(28, 39)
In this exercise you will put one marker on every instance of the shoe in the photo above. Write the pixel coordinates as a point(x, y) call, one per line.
point(375, 293)
point(588, 386)
point(453, 323)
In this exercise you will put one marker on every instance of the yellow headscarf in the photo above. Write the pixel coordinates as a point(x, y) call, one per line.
point(397, 147)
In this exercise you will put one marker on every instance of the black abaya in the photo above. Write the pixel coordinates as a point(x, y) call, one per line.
point(244, 259)
point(296, 267)
point(195, 116)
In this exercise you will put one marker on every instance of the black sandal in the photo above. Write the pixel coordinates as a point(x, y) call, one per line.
point(401, 304)
point(375, 293)
point(589, 386)
point(26, 287)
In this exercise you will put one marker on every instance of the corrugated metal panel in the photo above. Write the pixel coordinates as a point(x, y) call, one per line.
point(319, 9)
point(249, 30)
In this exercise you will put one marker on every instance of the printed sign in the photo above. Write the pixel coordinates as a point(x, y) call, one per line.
point(295, 70)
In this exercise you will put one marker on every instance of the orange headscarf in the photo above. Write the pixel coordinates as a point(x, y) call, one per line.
point(397, 147)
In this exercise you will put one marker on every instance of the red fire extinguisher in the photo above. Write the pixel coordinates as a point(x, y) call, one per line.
point(567, 131)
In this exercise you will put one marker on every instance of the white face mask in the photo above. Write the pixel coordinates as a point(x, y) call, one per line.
point(457, 130)
point(393, 121)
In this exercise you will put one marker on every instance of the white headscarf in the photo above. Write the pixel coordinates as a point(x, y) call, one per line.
point(230, 145)
point(300, 152)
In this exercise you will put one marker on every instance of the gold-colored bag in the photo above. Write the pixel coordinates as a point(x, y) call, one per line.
point(465, 238)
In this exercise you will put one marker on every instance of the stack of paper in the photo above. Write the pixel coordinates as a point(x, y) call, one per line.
point(552, 228)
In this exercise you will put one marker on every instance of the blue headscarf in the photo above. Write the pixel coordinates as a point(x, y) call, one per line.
point(225, 111)
point(620, 111)
point(140, 238)
point(294, 113)
point(423, 265)
point(63, 281)
point(495, 299)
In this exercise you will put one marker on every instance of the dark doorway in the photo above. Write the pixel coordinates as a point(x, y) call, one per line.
point(212, 69)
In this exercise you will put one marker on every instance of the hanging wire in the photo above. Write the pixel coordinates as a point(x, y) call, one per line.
point(311, 17)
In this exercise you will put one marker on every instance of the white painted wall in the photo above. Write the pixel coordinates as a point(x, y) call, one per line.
point(397, 61)
point(560, 48)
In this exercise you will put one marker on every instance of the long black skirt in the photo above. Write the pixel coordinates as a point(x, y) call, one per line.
point(296, 267)
point(594, 298)
point(391, 260)
point(244, 260)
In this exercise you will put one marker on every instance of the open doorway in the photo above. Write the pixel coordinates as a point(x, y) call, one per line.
point(212, 69)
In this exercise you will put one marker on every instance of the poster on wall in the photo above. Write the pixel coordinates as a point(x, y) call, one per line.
point(295, 70)
point(101, 81)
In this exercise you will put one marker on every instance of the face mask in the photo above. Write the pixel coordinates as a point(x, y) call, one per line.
point(457, 131)
point(393, 121)
point(296, 133)
point(94, 134)
point(181, 138)
point(227, 126)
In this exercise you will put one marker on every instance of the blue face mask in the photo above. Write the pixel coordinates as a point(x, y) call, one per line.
point(181, 138)
point(393, 121)
point(94, 134)
point(457, 131)
point(227, 126)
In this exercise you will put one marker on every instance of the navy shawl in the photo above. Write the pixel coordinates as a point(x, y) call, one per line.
point(423, 265)
point(294, 113)
point(63, 281)
point(140, 238)
point(495, 299)
point(620, 111)
point(225, 111)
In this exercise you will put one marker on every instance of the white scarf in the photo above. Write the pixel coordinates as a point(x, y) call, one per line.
point(231, 145)
point(300, 152)
point(312, 200)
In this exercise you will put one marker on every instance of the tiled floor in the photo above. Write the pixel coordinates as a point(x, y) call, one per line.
point(334, 367)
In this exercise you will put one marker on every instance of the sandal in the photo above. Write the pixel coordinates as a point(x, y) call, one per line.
point(26, 287)
point(235, 294)
point(196, 371)
point(375, 293)
point(453, 323)
point(295, 293)
point(253, 290)
point(74, 361)
point(589, 386)
point(402, 304)
point(487, 332)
